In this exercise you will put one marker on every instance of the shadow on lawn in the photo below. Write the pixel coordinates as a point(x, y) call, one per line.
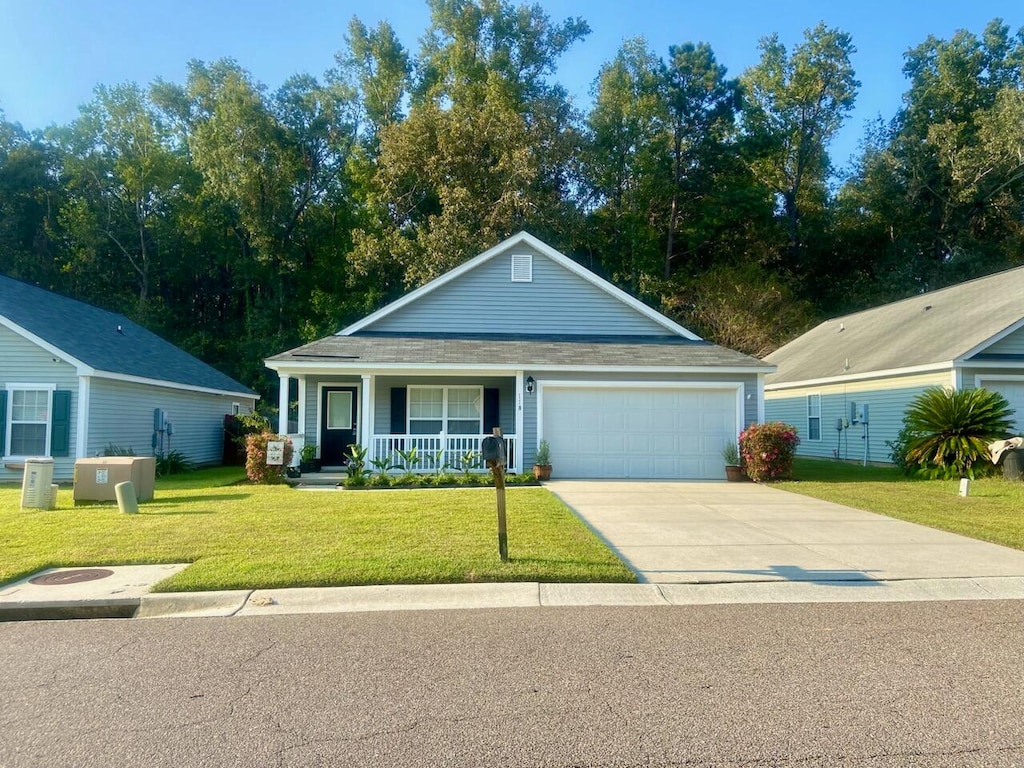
point(161, 499)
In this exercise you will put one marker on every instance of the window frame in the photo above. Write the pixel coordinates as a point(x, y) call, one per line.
point(813, 398)
point(445, 417)
point(9, 421)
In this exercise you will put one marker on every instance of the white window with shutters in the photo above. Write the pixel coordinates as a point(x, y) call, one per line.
point(522, 268)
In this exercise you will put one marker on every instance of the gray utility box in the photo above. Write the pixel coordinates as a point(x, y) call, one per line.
point(95, 478)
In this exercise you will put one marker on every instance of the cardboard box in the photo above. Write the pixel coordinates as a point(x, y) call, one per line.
point(95, 478)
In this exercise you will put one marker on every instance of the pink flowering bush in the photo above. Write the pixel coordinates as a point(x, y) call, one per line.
point(256, 458)
point(767, 450)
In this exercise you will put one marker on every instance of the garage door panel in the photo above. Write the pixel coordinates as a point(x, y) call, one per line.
point(637, 432)
point(1013, 391)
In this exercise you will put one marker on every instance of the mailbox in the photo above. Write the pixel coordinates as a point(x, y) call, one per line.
point(493, 449)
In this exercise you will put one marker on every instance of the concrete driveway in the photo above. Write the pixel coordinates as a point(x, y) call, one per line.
point(694, 532)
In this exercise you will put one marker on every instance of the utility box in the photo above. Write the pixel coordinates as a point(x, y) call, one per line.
point(95, 478)
point(37, 484)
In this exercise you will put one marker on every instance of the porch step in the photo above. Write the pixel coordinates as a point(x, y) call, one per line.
point(318, 479)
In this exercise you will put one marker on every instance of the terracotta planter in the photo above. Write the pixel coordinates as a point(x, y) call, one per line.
point(542, 471)
point(734, 474)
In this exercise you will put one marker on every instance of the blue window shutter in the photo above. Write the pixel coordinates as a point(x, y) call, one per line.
point(398, 405)
point(3, 422)
point(492, 418)
point(60, 423)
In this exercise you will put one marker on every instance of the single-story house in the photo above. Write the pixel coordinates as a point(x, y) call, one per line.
point(523, 338)
point(76, 379)
point(847, 383)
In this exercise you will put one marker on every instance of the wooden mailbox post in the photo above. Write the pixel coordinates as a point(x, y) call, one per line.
point(493, 450)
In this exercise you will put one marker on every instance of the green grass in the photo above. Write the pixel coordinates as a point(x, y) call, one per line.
point(244, 536)
point(993, 511)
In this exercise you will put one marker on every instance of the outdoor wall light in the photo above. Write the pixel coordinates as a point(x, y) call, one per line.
point(530, 384)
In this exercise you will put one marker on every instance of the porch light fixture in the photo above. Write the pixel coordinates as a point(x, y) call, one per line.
point(530, 383)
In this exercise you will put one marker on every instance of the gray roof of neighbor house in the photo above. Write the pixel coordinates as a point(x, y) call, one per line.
point(105, 341)
point(932, 328)
point(368, 349)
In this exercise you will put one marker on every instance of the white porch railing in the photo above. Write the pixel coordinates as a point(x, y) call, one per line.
point(435, 451)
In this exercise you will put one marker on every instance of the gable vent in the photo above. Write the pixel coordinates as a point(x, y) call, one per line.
point(522, 268)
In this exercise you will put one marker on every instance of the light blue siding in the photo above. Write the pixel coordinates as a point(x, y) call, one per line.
point(121, 413)
point(23, 362)
point(1012, 344)
point(886, 406)
point(485, 300)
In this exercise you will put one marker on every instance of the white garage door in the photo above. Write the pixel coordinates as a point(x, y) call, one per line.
point(638, 433)
point(1013, 391)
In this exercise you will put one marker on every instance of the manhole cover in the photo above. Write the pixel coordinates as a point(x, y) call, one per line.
point(75, 576)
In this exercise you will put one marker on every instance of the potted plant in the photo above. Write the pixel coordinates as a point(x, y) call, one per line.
point(542, 461)
point(733, 470)
point(308, 462)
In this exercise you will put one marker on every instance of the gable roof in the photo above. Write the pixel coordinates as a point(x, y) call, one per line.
point(935, 329)
point(102, 343)
point(541, 247)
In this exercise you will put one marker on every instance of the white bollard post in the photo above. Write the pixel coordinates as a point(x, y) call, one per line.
point(127, 501)
point(965, 486)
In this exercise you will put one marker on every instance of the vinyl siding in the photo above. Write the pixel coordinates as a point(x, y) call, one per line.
point(1010, 345)
point(121, 413)
point(887, 400)
point(485, 300)
point(22, 362)
point(530, 401)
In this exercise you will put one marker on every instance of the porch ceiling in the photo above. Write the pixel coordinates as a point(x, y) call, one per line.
point(368, 351)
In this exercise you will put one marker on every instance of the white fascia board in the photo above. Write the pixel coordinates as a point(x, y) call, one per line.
point(989, 364)
point(991, 340)
point(171, 385)
point(547, 250)
point(82, 368)
point(433, 369)
point(860, 376)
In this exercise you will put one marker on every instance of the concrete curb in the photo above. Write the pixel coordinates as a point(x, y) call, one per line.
point(196, 604)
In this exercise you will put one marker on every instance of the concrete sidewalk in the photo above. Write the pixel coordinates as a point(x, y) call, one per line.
point(712, 532)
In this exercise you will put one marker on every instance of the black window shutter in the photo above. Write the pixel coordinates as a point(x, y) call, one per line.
point(492, 414)
point(398, 400)
point(60, 423)
point(3, 422)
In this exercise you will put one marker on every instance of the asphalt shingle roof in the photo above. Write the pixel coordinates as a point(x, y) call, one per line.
point(90, 335)
point(368, 350)
point(934, 327)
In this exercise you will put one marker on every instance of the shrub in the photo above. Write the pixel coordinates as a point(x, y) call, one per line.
point(172, 463)
point(256, 458)
point(767, 450)
point(951, 430)
point(117, 450)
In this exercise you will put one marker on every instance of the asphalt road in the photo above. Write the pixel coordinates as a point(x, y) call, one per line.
point(909, 684)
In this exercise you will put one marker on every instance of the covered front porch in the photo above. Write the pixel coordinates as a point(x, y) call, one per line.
point(422, 422)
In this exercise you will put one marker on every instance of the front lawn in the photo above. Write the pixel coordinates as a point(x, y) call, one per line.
point(993, 511)
point(244, 536)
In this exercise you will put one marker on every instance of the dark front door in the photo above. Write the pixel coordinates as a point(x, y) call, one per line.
point(337, 424)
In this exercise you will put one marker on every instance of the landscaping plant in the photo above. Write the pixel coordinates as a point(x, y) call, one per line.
point(767, 450)
point(256, 467)
point(949, 430)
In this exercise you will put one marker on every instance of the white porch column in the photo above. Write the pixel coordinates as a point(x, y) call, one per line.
point(520, 420)
point(82, 422)
point(301, 428)
point(282, 405)
point(366, 411)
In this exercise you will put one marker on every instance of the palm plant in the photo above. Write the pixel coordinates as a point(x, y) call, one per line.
point(952, 429)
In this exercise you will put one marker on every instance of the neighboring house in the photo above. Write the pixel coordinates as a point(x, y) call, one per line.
point(968, 335)
point(523, 338)
point(75, 379)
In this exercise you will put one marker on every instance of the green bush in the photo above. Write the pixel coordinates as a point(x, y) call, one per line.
point(172, 463)
point(767, 450)
point(948, 431)
point(256, 467)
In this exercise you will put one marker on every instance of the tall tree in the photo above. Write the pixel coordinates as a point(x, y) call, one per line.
point(794, 105)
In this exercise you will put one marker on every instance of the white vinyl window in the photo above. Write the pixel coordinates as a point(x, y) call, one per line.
point(814, 417)
point(454, 410)
point(28, 422)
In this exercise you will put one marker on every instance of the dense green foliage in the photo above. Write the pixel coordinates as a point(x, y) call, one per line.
point(238, 221)
point(950, 430)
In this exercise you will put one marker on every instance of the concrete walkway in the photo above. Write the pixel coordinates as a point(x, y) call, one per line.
point(705, 533)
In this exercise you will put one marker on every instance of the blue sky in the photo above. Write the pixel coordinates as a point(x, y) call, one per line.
point(52, 54)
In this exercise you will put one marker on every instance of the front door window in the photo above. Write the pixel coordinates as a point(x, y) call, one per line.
point(339, 410)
